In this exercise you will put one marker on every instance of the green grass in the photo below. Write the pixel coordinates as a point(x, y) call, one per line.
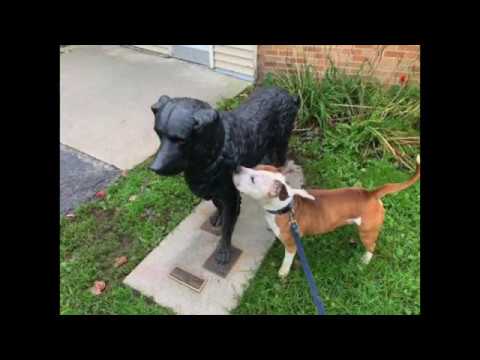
point(337, 152)
point(390, 284)
point(105, 229)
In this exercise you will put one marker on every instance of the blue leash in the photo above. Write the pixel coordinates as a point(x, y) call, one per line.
point(306, 268)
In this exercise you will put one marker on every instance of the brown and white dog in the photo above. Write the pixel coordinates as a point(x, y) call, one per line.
point(317, 211)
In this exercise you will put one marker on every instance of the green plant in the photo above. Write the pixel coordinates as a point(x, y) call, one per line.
point(372, 119)
point(231, 103)
point(304, 83)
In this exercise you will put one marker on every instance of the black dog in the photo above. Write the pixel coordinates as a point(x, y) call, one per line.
point(208, 145)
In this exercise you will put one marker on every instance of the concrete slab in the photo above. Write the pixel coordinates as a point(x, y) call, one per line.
point(106, 93)
point(188, 247)
point(81, 176)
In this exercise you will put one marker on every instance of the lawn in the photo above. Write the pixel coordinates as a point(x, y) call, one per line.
point(140, 209)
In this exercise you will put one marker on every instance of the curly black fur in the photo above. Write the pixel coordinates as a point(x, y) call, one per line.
point(208, 145)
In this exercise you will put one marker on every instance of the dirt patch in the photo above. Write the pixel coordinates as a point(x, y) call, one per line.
point(164, 217)
point(148, 214)
point(126, 241)
point(103, 215)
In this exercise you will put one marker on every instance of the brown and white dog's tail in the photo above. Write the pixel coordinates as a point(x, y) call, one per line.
point(396, 187)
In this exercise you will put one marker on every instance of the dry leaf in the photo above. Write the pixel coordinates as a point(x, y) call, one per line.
point(70, 216)
point(119, 261)
point(132, 198)
point(98, 287)
point(124, 172)
point(101, 194)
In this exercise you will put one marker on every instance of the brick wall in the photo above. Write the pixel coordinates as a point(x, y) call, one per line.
point(391, 64)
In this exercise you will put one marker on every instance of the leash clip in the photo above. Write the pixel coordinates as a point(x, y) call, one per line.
point(291, 216)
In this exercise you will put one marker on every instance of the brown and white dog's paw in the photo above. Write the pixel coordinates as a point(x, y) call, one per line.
point(286, 264)
point(283, 273)
point(367, 257)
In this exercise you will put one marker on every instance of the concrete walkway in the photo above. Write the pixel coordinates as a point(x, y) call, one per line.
point(107, 91)
point(105, 120)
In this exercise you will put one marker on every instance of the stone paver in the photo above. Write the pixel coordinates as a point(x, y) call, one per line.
point(187, 247)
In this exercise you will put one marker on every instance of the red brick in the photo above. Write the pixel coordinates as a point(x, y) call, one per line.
point(410, 55)
point(319, 55)
point(396, 60)
point(271, 52)
point(311, 49)
point(397, 54)
point(359, 58)
point(408, 47)
point(357, 52)
point(284, 51)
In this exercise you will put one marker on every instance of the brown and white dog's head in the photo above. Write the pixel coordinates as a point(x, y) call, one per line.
point(266, 184)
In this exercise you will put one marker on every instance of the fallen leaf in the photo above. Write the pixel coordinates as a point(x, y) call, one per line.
point(101, 194)
point(70, 216)
point(119, 261)
point(124, 172)
point(98, 287)
point(132, 198)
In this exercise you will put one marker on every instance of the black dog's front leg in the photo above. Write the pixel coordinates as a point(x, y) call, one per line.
point(216, 218)
point(231, 210)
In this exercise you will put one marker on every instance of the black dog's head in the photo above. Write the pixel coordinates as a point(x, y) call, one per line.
point(177, 122)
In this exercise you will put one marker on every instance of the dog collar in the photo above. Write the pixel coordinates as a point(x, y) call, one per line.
point(283, 210)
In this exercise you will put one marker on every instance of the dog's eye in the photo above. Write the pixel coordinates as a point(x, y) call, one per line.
point(253, 179)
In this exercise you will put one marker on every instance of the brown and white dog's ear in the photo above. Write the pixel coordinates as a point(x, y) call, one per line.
point(303, 193)
point(279, 189)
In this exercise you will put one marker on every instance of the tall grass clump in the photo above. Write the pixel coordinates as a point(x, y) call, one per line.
point(356, 111)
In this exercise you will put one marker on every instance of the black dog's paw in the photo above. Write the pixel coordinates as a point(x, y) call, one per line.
point(222, 256)
point(216, 219)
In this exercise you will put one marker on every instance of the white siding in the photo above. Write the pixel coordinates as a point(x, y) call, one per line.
point(239, 59)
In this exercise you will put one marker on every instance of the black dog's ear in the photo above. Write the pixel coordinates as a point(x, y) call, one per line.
point(160, 103)
point(203, 118)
